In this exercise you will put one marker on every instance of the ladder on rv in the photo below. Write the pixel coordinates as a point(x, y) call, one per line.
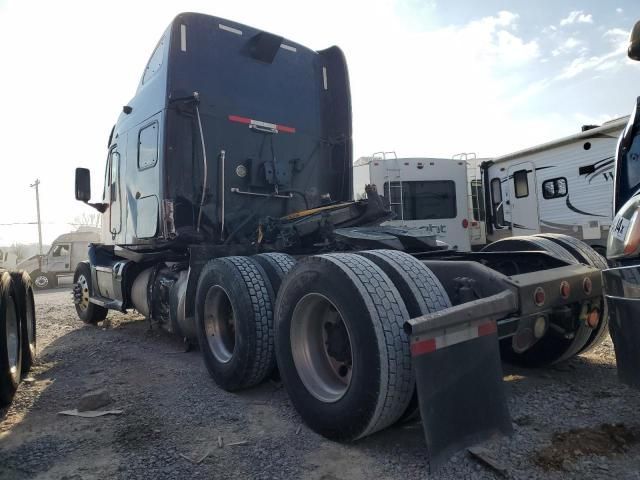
point(393, 182)
point(472, 181)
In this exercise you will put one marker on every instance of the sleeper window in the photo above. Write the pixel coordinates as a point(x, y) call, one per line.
point(520, 183)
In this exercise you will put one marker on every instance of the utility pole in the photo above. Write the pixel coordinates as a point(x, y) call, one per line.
point(35, 184)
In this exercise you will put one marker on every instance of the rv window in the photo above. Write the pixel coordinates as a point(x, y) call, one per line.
point(554, 188)
point(521, 184)
point(155, 62)
point(423, 200)
point(496, 203)
point(148, 146)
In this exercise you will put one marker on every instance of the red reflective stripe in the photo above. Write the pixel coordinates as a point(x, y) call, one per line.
point(236, 118)
point(487, 329)
point(283, 128)
point(423, 346)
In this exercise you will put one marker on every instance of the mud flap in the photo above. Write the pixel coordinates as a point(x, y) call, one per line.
point(622, 293)
point(459, 375)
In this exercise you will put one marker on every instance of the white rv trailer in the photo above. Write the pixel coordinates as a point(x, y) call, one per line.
point(564, 186)
point(426, 192)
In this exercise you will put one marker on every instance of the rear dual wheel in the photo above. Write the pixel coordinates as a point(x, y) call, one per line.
point(342, 353)
point(584, 253)
point(551, 348)
point(10, 340)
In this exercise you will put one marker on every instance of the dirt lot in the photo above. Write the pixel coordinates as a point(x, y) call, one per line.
point(174, 418)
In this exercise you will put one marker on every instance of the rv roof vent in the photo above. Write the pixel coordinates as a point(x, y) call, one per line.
point(589, 127)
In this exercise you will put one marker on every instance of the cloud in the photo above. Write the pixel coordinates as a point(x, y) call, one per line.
point(567, 46)
point(576, 16)
point(619, 10)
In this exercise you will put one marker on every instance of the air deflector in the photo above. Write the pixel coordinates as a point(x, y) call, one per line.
point(264, 46)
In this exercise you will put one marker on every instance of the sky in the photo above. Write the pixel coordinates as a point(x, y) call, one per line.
point(428, 78)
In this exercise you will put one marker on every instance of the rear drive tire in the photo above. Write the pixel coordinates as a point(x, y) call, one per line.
point(27, 312)
point(420, 289)
point(550, 349)
point(342, 353)
point(10, 340)
point(83, 289)
point(586, 254)
point(234, 322)
point(276, 266)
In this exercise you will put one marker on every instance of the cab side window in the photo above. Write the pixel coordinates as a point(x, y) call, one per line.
point(61, 250)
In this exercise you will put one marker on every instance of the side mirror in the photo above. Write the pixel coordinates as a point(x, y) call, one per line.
point(634, 43)
point(83, 184)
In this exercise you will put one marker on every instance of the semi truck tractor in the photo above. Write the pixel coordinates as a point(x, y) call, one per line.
point(17, 331)
point(59, 263)
point(229, 219)
point(622, 280)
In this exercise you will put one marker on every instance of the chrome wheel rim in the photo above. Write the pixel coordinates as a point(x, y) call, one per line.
point(83, 304)
point(321, 348)
point(41, 281)
point(13, 336)
point(219, 324)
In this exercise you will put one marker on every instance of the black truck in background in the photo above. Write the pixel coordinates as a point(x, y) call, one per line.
point(622, 280)
point(229, 219)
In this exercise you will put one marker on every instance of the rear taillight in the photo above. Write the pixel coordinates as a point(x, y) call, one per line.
point(565, 289)
point(465, 223)
point(587, 286)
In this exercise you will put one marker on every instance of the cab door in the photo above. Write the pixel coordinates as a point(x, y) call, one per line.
point(59, 260)
point(522, 199)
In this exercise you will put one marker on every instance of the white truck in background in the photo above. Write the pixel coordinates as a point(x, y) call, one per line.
point(59, 263)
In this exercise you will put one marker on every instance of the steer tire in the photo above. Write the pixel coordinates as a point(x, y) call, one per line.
point(27, 312)
point(356, 291)
point(276, 266)
point(88, 312)
point(586, 254)
point(419, 288)
point(234, 322)
point(42, 281)
point(550, 349)
point(10, 340)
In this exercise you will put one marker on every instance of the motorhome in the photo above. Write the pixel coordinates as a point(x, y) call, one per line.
point(564, 186)
point(422, 192)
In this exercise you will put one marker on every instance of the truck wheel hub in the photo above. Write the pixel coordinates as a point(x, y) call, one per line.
point(321, 348)
point(219, 324)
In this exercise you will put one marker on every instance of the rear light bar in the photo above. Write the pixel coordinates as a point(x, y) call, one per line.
point(262, 126)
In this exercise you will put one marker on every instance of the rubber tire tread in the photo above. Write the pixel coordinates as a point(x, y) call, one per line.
point(8, 382)
point(386, 312)
point(419, 288)
point(276, 266)
point(542, 244)
point(24, 291)
point(94, 313)
point(254, 357)
point(585, 253)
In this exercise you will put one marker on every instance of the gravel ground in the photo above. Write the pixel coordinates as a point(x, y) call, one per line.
point(175, 419)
